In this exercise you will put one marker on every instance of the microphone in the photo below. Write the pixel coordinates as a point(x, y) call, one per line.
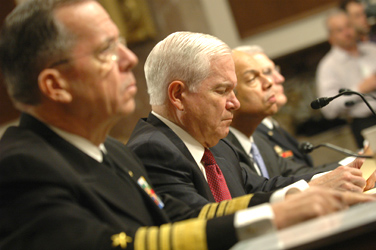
point(323, 101)
point(307, 147)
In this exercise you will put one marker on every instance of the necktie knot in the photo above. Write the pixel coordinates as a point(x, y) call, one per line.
point(208, 158)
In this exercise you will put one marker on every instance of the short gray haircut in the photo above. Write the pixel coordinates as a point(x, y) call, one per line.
point(31, 38)
point(182, 56)
point(250, 49)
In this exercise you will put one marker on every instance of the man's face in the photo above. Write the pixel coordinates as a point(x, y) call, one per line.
point(255, 91)
point(358, 17)
point(208, 111)
point(342, 33)
point(101, 88)
point(268, 68)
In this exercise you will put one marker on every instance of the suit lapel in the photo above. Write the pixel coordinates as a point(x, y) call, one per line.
point(153, 120)
point(287, 142)
point(240, 150)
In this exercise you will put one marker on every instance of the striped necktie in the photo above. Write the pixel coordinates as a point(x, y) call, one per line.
point(258, 160)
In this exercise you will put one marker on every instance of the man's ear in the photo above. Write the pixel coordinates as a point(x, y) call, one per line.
point(175, 91)
point(54, 86)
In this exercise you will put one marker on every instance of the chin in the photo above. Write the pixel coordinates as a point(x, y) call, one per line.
point(129, 108)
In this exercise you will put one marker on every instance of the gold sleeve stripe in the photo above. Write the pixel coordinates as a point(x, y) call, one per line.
point(221, 210)
point(185, 235)
point(152, 239)
point(165, 240)
point(140, 238)
point(190, 234)
point(225, 207)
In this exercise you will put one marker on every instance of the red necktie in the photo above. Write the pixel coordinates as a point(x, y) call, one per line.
point(216, 180)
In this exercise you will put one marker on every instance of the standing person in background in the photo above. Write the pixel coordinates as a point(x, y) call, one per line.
point(349, 65)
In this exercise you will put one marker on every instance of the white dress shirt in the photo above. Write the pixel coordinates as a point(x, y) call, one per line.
point(338, 69)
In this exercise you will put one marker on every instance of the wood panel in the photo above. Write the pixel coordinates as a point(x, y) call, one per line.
point(254, 16)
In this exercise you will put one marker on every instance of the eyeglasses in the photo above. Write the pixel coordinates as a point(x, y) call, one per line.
point(108, 54)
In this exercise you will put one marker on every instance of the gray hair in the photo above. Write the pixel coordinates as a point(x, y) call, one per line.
point(183, 56)
point(250, 49)
point(31, 38)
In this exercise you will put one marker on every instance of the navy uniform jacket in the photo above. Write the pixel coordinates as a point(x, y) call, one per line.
point(284, 144)
point(54, 196)
point(276, 165)
point(173, 170)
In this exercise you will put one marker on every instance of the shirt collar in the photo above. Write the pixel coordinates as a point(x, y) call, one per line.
point(194, 147)
point(344, 55)
point(268, 122)
point(245, 141)
point(82, 144)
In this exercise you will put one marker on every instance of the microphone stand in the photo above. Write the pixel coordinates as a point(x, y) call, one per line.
point(350, 92)
point(307, 147)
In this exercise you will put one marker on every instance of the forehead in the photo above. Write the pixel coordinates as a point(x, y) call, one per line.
point(223, 66)
point(88, 20)
point(354, 7)
point(338, 21)
point(245, 63)
point(263, 60)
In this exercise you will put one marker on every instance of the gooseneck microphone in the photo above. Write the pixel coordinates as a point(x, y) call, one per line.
point(323, 101)
point(307, 147)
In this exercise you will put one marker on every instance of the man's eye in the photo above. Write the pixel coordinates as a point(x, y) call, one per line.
point(221, 91)
point(251, 79)
point(106, 49)
point(267, 72)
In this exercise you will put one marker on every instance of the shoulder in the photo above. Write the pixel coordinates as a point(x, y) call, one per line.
point(328, 60)
point(24, 153)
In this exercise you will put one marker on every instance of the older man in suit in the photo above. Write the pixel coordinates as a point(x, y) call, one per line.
point(253, 125)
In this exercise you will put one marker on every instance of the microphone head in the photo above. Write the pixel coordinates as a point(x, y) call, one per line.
point(320, 102)
point(306, 147)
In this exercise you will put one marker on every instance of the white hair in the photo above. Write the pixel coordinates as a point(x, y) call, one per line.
point(183, 56)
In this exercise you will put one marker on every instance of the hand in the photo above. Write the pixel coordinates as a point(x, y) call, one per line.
point(312, 203)
point(370, 183)
point(344, 178)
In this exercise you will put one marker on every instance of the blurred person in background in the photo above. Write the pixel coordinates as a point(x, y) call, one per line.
point(351, 65)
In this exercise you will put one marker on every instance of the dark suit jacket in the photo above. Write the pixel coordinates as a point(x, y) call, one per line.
point(173, 170)
point(54, 196)
point(276, 165)
point(281, 138)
